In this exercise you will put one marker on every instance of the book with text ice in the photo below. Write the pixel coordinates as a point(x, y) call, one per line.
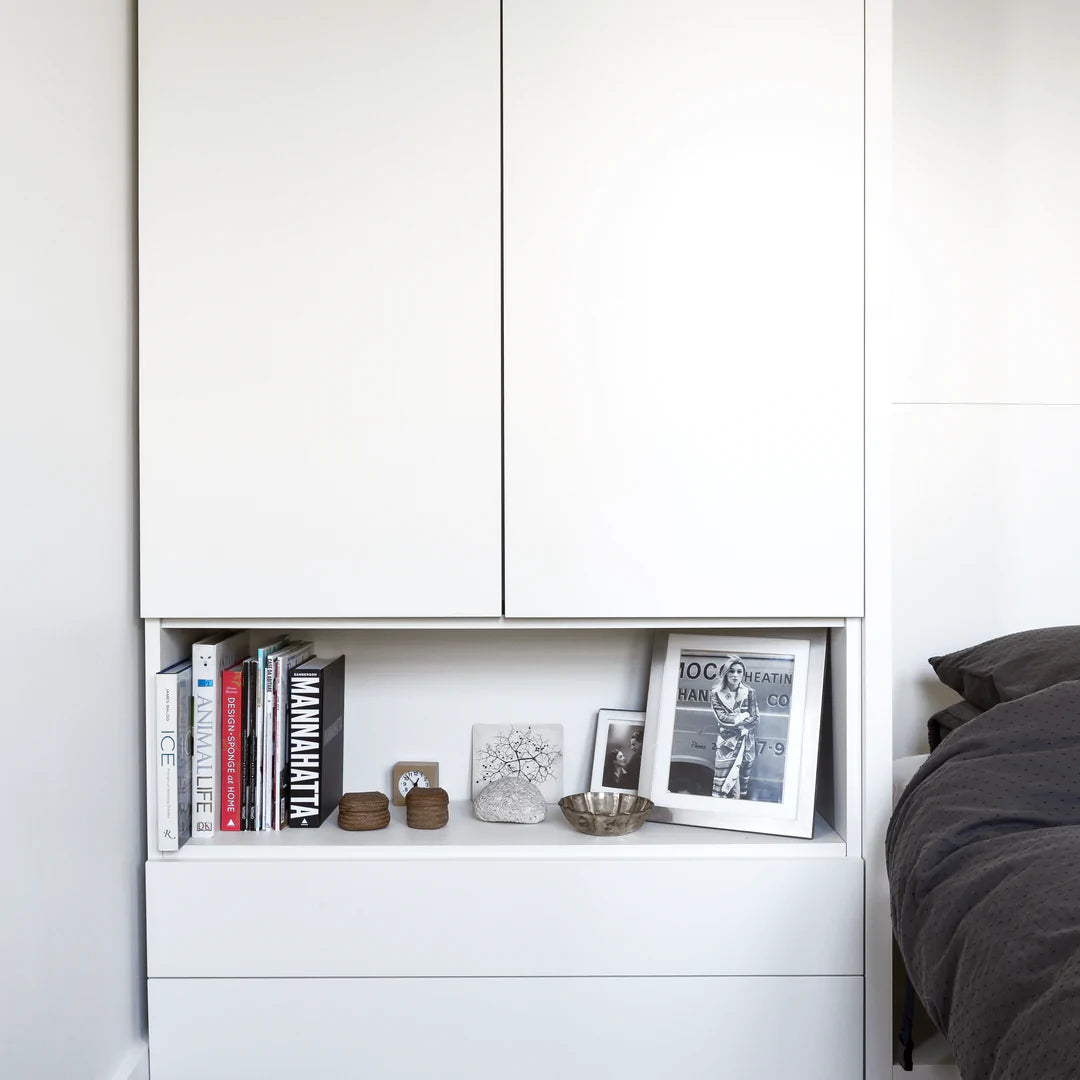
point(173, 751)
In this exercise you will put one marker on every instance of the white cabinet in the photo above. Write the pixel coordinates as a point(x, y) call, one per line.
point(319, 308)
point(487, 1029)
point(344, 208)
point(683, 307)
point(324, 404)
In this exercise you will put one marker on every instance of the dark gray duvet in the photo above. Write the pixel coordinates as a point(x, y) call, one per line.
point(983, 855)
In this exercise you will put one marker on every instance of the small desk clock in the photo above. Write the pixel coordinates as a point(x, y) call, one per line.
point(410, 774)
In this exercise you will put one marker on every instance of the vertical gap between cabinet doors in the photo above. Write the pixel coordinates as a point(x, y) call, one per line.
point(865, 316)
point(502, 327)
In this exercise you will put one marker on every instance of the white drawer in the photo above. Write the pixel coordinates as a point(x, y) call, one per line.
point(490, 1029)
point(507, 917)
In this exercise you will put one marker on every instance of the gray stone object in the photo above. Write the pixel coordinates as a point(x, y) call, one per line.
point(511, 799)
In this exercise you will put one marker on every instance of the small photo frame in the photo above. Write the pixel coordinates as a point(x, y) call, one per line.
point(732, 729)
point(617, 754)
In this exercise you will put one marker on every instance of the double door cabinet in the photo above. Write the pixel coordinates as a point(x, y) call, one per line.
point(425, 321)
point(477, 332)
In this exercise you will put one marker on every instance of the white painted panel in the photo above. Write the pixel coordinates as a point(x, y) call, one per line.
point(987, 165)
point(416, 695)
point(456, 918)
point(683, 307)
point(72, 999)
point(875, 675)
point(986, 531)
point(843, 758)
point(319, 293)
point(488, 1029)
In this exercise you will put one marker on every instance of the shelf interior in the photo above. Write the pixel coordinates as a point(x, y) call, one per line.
point(416, 694)
point(465, 837)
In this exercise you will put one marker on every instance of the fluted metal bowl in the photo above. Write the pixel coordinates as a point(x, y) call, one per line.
point(605, 813)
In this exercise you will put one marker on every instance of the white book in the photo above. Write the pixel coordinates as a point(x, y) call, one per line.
point(173, 748)
point(209, 658)
point(262, 768)
point(266, 736)
point(266, 747)
point(283, 663)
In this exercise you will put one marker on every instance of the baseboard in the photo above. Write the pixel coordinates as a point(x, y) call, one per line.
point(136, 1064)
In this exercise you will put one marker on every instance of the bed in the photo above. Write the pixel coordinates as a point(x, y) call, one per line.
point(983, 855)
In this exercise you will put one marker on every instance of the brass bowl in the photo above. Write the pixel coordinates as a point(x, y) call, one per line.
point(605, 813)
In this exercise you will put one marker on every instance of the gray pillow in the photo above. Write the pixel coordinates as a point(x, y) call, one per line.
point(947, 720)
point(1007, 668)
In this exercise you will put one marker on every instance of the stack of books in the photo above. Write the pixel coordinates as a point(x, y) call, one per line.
point(248, 740)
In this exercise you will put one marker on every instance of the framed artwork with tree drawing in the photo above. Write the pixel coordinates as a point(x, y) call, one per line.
point(532, 751)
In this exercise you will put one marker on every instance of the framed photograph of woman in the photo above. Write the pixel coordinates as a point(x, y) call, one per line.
point(732, 728)
point(617, 753)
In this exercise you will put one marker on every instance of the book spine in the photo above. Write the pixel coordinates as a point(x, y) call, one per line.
point(302, 653)
point(208, 660)
point(204, 759)
point(184, 727)
point(266, 764)
point(232, 748)
point(241, 767)
point(281, 701)
point(281, 765)
point(168, 755)
point(257, 743)
point(262, 662)
point(246, 785)
point(305, 747)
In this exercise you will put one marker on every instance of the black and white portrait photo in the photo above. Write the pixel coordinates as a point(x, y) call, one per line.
point(617, 756)
point(732, 729)
point(732, 718)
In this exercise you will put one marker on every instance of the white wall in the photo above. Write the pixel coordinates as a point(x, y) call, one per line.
point(987, 331)
point(72, 989)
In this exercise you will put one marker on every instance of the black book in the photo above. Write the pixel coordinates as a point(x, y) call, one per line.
point(249, 764)
point(316, 729)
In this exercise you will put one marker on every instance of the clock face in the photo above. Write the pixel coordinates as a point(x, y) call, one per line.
point(407, 775)
point(413, 778)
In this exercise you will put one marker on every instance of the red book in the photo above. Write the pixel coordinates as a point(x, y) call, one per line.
point(232, 746)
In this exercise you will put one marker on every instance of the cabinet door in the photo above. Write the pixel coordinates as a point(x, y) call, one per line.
point(319, 308)
point(488, 1029)
point(683, 307)
point(499, 896)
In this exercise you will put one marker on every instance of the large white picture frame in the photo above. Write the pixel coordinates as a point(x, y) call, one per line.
point(730, 748)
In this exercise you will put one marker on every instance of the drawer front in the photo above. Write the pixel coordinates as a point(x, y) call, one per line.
point(530, 1029)
point(492, 918)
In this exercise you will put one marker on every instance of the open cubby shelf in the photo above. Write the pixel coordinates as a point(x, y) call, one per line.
point(414, 692)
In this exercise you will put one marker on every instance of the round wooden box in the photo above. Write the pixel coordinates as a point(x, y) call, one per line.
point(427, 808)
point(362, 811)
